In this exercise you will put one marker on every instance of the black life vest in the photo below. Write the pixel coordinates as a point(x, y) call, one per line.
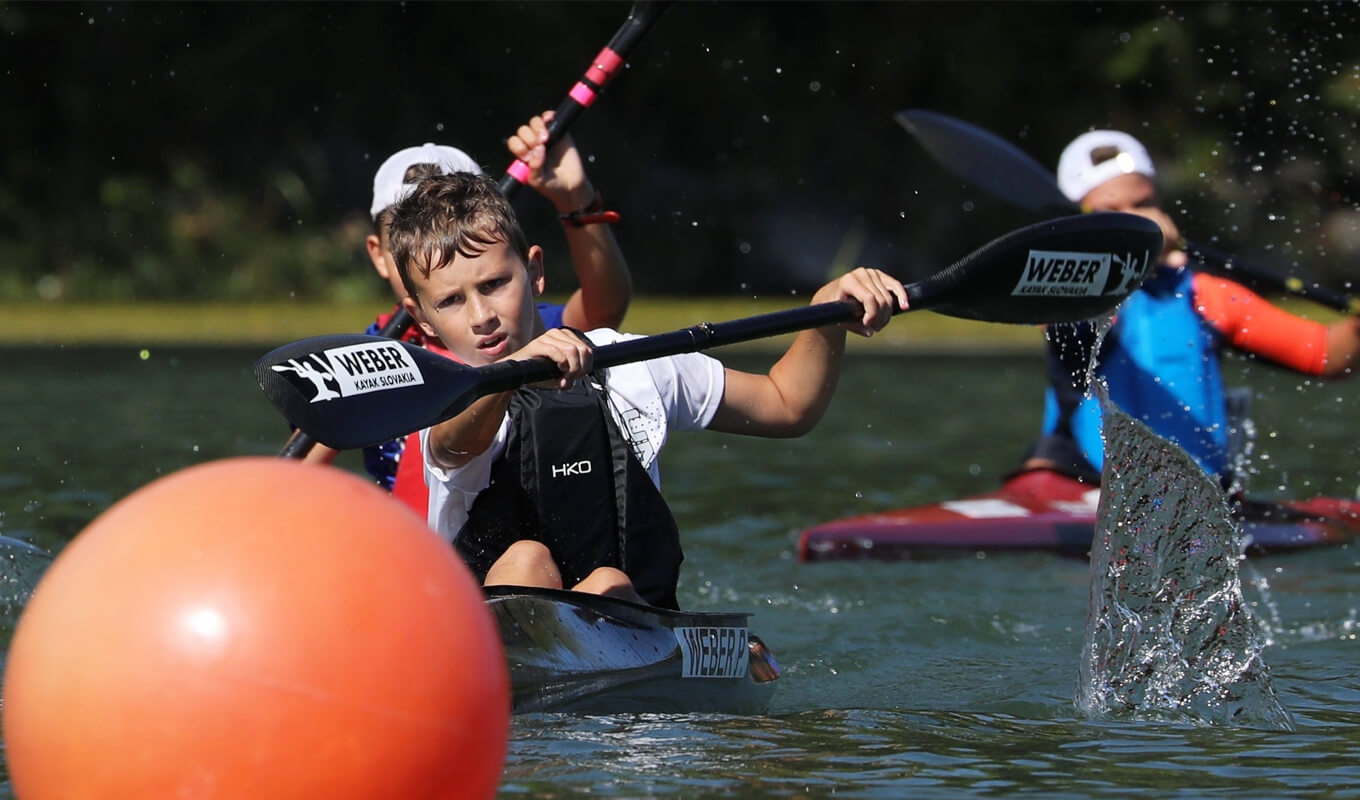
point(569, 479)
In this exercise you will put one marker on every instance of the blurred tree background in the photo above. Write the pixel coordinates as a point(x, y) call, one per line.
point(225, 151)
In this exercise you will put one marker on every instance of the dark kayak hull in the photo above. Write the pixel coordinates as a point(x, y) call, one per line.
point(1046, 511)
point(581, 653)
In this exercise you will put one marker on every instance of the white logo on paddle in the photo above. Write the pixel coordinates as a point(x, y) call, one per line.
point(355, 369)
point(1059, 273)
point(1055, 273)
point(1131, 268)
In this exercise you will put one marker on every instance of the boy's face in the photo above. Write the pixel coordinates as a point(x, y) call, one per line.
point(381, 256)
point(482, 309)
point(1130, 192)
point(1133, 193)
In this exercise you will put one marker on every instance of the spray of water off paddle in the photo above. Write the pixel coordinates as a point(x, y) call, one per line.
point(21, 566)
point(1168, 636)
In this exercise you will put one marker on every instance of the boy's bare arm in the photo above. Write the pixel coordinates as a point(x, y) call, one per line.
point(558, 173)
point(606, 285)
point(791, 398)
point(458, 440)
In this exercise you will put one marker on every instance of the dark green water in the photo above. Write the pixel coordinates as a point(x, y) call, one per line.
point(948, 678)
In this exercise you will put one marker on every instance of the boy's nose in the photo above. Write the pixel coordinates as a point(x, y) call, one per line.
point(480, 313)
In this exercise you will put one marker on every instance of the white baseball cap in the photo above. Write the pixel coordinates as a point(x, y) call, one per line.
point(1095, 157)
point(389, 184)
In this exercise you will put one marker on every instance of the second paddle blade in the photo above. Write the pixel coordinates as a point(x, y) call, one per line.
point(986, 160)
point(1061, 270)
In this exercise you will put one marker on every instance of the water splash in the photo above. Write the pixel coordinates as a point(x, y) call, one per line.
point(21, 566)
point(1168, 635)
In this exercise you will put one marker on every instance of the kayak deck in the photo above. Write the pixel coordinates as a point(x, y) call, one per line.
point(1042, 510)
point(583, 653)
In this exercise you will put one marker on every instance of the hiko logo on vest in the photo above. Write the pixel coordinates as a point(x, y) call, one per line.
point(353, 369)
point(571, 468)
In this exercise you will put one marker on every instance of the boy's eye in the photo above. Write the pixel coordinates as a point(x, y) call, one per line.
point(494, 284)
point(450, 301)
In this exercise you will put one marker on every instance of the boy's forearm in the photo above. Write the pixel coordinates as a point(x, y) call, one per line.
point(606, 286)
point(807, 374)
point(792, 397)
point(458, 440)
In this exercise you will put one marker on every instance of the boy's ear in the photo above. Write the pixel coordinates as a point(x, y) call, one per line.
point(375, 254)
point(413, 308)
point(535, 267)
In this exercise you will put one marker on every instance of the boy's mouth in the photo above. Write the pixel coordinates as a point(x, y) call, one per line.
point(493, 346)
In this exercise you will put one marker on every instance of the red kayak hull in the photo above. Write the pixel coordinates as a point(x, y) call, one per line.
point(1042, 510)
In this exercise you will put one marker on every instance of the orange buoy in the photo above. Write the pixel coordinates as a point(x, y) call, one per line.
point(256, 628)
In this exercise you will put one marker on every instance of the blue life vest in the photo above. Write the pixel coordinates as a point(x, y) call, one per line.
point(1160, 361)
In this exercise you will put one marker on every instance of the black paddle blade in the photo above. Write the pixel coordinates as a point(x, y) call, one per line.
point(1005, 171)
point(1061, 270)
point(349, 391)
point(986, 161)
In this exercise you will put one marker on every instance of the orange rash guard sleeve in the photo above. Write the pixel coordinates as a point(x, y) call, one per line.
point(1251, 324)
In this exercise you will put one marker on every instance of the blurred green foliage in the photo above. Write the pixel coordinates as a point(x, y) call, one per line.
point(192, 239)
point(224, 151)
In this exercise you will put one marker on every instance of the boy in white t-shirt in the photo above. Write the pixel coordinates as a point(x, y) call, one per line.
point(556, 484)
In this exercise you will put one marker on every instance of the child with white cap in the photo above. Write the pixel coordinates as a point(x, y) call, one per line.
point(556, 172)
point(1160, 359)
point(559, 175)
point(1099, 168)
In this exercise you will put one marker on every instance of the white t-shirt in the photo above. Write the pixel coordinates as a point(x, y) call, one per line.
point(646, 398)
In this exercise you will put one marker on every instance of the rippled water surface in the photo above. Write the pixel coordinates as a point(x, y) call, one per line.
point(943, 678)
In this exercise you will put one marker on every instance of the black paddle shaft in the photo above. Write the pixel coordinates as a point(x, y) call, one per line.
point(352, 391)
point(1220, 263)
point(608, 63)
point(1009, 173)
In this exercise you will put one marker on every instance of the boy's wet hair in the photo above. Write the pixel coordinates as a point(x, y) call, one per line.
point(447, 216)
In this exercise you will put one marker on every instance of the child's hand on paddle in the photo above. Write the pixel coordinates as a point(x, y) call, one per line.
point(570, 351)
point(880, 295)
point(555, 168)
